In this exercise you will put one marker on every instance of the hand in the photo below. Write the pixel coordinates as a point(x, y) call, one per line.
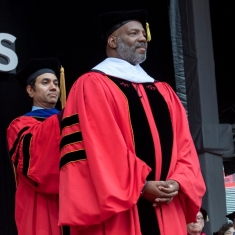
point(172, 187)
point(160, 191)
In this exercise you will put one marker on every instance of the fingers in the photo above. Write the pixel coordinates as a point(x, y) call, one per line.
point(169, 189)
point(167, 192)
point(159, 191)
point(168, 186)
point(164, 198)
point(156, 204)
point(163, 184)
point(158, 201)
point(174, 184)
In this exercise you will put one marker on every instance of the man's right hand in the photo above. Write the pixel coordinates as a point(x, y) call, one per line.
point(152, 192)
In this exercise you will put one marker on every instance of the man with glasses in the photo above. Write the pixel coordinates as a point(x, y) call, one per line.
point(196, 227)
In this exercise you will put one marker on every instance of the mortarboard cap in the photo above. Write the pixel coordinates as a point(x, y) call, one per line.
point(35, 67)
point(111, 21)
point(204, 214)
point(231, 216)
point(38, 66)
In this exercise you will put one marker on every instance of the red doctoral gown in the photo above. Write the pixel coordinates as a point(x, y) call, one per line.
point(115, 134)
point(34, 150)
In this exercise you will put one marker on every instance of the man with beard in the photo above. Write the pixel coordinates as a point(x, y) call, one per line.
point(128, 163)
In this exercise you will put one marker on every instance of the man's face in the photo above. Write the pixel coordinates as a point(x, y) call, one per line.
point(230, 231)
point(197, 226)
point(46, 91)
point(131, 42)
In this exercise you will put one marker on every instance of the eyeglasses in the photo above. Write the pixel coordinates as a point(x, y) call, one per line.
point(200, 218)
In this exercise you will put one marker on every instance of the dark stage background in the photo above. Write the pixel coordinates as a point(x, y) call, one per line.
point(70, 30)
point(222, 21)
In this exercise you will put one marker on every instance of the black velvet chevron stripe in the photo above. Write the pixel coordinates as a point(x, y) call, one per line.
point(17, 157)
point(69, 139)
point(72, 156)
point(68, 121)
point(65, 230)
point(12, 150)
point(164, 125)
point(26, 153)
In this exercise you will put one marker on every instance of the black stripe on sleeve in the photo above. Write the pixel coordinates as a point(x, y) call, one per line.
point(69, 139)
point(163, 123)
point(69, 121)
point(65, 230)
point(40, 119)
point(72, 157)
point(26, 153)
point(17, 157)
point(12, 150)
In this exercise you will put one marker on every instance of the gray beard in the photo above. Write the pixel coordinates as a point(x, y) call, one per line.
point(129, 53)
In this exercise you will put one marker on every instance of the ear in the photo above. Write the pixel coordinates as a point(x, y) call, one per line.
point(30, 91)
point(112, 41)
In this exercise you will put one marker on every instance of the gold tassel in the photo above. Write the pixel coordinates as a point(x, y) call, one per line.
point(148, 33)
point(62, 88)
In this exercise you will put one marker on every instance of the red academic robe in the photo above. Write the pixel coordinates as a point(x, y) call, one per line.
point(101, 174)
point(34, 150)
